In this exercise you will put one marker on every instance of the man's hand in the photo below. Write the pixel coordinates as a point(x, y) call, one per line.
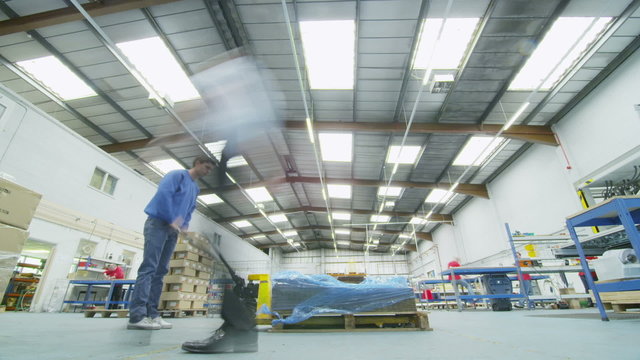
point(177, 224)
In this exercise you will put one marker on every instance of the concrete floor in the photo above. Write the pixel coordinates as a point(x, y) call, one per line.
point(473, 334)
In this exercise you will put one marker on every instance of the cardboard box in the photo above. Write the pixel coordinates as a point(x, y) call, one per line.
point(188, 255)
point(177, 304)
point(17, 204)
point(183, 271)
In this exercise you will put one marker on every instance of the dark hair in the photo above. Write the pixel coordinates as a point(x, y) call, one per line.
point(202, 159)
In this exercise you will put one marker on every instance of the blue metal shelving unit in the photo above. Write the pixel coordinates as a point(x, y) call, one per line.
point(623, 211)
point(91, 283)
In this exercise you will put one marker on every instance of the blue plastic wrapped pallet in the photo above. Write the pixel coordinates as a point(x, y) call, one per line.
point(304, 296)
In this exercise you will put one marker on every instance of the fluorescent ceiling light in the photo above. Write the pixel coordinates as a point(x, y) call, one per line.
point(380, 218)
point(278, 218)
point(259, 194)
point(417, 221)
point(241, 223)
point(443, 78)
point(339, 191)
point(237, 161)
point(154, 61)
point(329, 52)
point(210, 199)
point(448, 52)
point(438, 196)
point(166, 165)
point(343, 231)
point(393, 191)
point(336, 147)
point(408, 155)
point(479, 147)
point(343, 242)
point(290, 233)
point(552, 50)
point(56, 76)
point(340, 216)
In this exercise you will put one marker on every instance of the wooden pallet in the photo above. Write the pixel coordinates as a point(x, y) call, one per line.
point(105, 313)
point(370, 321)
point(620, 301)
point(178, 313)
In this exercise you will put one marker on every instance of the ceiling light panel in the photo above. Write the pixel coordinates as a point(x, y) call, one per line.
point(166, 165)
point(438, 196)
point(417, 221)
point(210, 199)
point(380, 218)
point(339, 191)
point(259, 194)
point(290, 233)
point(391, 191)
point(406, 155)
point(336, 147)
point(329, 52)
point(477, 150)
point(53, 74)
point(556, 48)
point(448, 52)
point(340, 216)
point(154, 61)
point(278, 218)
point(241, 224)
point(343, 231)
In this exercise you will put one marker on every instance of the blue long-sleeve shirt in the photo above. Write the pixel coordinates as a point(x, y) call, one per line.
point(175, 198)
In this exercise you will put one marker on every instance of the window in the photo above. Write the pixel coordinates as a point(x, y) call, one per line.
point(103, 181)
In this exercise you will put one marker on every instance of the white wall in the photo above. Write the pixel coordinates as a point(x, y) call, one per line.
point(536, 193)
point(322, 261)
point(40, 153)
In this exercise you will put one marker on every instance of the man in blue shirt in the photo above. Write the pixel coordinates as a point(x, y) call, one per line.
point(169, 213)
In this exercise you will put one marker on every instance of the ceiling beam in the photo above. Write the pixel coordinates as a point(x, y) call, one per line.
point(408, 247)
point(419, 235)
point(530, 133)
point(70, 13)
point(478, 190)
point(434, 217)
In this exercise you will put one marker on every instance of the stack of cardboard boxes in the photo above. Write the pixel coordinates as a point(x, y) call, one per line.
point(17, 207)
point(187, 283)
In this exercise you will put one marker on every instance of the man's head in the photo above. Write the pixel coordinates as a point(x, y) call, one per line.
point(111, 266)
point(202, 166)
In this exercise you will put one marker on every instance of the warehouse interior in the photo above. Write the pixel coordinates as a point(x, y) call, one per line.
point(375, 141)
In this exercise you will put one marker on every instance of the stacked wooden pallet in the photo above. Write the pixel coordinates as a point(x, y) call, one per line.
point(620, 301)
point(187, 283)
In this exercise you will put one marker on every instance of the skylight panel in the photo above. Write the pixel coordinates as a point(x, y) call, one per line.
point(339, 191)
point(259, 194)
point(210, 199)
point(336, 147)
point(155, 62)
point(343, 242)
point(340, 216)
point(56, 76)
point(380, 218)
point(343, 231)
point(290, 233)
point(393, 191)
point(241, 223)
point(438, 196)
point(166, 165)
point(555, 48)
point(408, 155)
point(389, 203)
point(405, 236)
point(278, 218)
point(477, 145)
point(237, 161)
point(417, 221)
point(329, 52)
point(216, 148)
point(453, 43)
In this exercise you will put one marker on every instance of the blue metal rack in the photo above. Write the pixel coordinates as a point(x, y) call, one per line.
point(91, 283)
point(623, 211)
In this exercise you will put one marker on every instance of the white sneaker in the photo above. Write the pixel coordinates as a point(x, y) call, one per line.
point(144, 324)
point(163, 324)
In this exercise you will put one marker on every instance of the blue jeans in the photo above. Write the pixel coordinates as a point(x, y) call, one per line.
point(159, 242)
